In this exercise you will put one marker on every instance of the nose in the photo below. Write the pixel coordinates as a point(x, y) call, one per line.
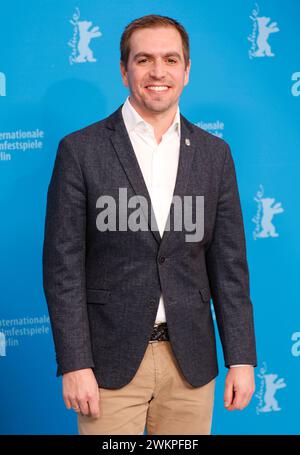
point(157, 70)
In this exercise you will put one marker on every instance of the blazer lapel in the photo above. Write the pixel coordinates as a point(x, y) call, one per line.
point(122, 145)
point(186, 154)
point(124, 149)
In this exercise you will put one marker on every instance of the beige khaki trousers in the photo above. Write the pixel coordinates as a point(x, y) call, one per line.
point(158, 397)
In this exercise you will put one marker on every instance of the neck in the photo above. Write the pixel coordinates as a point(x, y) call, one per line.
point(160, 121)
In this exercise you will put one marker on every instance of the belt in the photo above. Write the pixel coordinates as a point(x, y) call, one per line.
point(160, 332)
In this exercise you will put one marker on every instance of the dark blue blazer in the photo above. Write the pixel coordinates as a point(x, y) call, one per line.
point(103, 288)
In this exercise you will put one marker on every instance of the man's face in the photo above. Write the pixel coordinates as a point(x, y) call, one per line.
point(156, 72)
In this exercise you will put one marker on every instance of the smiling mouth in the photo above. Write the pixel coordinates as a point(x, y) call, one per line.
point(158, 88)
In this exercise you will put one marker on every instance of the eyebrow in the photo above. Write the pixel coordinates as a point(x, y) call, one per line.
point(146, 54)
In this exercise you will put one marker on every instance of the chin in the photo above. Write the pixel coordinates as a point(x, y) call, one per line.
point(157, 107)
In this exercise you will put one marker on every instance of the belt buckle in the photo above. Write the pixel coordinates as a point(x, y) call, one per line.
point(155, 327)
point(156, 324)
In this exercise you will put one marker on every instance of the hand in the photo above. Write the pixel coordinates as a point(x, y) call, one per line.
point(239, 387)
point(81, 392)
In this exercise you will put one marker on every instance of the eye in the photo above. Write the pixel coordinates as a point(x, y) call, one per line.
point(171, 60)
point(142, 60)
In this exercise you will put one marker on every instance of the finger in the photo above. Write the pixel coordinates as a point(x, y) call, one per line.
point(94, 407)
point(75, 405)
point(228, 394)
point(236, 399)
point(84, 408)
point(246, 401)
point(232, 404)
point(67, 403)
point(240, 401)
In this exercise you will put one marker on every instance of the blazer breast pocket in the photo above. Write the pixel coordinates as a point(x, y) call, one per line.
point(100, 296)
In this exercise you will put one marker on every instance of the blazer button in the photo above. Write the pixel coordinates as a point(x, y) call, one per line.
point(162, 259)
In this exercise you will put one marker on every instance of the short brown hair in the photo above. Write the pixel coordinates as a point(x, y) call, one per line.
point(152, 21)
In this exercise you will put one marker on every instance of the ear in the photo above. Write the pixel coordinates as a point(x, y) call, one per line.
point(187, 72)
point(123, 74)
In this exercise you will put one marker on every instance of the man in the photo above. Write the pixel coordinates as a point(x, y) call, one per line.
point(130, 308)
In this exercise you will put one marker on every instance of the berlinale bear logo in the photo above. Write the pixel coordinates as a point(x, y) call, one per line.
point(82, 36)
point(261, 30)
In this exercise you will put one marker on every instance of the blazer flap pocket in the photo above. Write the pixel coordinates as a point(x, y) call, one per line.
point(97, 295)
point(205, 294)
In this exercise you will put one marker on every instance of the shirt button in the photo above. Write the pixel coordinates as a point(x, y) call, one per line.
point(162, 259)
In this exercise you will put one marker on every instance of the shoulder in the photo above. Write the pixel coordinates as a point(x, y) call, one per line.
point(82, 143)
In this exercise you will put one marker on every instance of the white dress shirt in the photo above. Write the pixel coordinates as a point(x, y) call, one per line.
point(158, 163)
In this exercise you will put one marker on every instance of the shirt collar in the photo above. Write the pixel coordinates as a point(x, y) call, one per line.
point(133, 120)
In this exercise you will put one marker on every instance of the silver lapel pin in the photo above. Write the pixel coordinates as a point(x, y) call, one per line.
point(187, 141)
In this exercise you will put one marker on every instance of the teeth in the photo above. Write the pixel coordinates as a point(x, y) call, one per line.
point(158, 88)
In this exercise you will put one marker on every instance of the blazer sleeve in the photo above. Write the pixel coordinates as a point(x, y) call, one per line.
point(229, 275)
point(64, 262)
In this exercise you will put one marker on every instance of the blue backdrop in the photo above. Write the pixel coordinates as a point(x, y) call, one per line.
point(244, 86)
